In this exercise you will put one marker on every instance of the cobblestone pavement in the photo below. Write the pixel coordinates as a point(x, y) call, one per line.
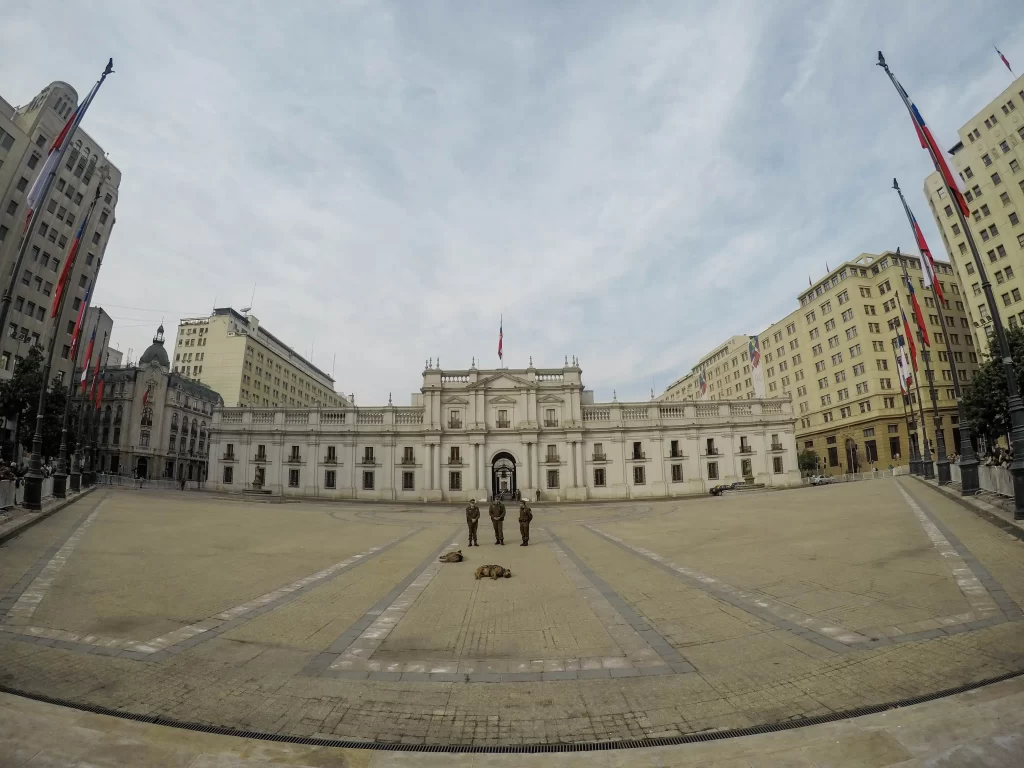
point(620, 620)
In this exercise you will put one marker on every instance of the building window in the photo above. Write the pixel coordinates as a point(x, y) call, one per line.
point(638, 475)
point(368, 481)
point(293, 478)
point(455, 481)
point(712, 470)
point(330, 477)
point(229, 475)
point(408, 481)
point(894, 447)
point(871, 451)
point(368, 455)
point(777, 465)
point(552, 478)
point(599, 477)
point(677, 473)
point(454, 456)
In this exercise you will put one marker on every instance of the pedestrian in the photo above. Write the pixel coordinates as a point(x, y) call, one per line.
point(525, 516)
point(473, 520)
point(497, 513)
point(182, 482)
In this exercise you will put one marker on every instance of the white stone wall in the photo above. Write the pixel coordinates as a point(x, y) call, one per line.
point(546, 417)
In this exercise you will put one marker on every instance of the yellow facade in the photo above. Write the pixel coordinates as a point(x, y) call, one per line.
point(989, 157)
point(834, 357)
point(248, 366)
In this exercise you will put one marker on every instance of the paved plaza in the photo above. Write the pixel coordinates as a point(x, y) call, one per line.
point(621, 620)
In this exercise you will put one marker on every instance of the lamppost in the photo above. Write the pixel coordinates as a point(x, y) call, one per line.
point(1014, 401)
point(904, 395)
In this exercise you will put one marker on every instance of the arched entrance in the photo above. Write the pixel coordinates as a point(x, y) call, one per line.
point(142, 468)
point(503, 475)
point(260, 479)
point(852, 462)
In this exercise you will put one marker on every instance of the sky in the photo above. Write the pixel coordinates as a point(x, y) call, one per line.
point(627, 183)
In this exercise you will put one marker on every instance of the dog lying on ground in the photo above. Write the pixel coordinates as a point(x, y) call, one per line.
point(494, 571)
point(452, 557)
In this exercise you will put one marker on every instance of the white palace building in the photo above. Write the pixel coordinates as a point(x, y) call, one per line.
point(474, 433)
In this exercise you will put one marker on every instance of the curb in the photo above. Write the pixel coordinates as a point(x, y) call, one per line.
point(978, 507)
point(19, 527)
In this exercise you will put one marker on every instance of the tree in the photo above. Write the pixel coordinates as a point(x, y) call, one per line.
point(807, 460)
point(985, 398)
point(19, 399)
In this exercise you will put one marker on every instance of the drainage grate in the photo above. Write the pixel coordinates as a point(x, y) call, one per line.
point(660, 741)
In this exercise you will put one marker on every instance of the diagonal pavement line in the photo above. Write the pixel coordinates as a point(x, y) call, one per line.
point(221, 622)
point(368, 632)
point(637, 637)
point(781, 615)
point(21, 601)
point(984, 594)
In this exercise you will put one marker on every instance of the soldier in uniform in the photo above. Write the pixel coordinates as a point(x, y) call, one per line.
point(525, 516)
point(497, 513)
point(473, 520)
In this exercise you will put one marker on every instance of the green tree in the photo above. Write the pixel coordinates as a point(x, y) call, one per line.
point(19, 399)
point(807, 461)
point(985, 398)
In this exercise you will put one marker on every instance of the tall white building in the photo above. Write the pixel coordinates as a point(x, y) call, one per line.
point(25, 136)
point(474, 433)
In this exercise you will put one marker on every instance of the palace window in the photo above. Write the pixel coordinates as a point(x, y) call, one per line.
point(552, 478)
point(368, 481)
point(293, 478)
point(330, 478)
point(599, 477)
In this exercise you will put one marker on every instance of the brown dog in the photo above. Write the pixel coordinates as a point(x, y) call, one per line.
point(494, 571)
point(452, 557)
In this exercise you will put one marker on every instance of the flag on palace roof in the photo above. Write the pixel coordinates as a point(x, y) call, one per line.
point(927, 262)
point(1004, 60)
point(928, 142)
point(910, 340)
point(53, 156)
point(702, 383)
point(88, 357)
point(501, 335)
point(917, 313)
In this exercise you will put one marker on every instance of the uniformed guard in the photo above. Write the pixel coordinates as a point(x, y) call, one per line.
point(497, 513)
point(473, 520)
point(525, 516)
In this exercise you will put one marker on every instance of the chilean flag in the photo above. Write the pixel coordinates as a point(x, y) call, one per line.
point(906, 377)
point(910, 340)
point(96, 374)
point(76, 337)
point(40, 186)
point(1004, 60)
point(927, 262)
point(917, 312)
point(88, 357)
point(69, 264)
point(928, 142)
point(501, 336)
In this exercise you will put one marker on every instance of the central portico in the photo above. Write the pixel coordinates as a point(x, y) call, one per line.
point(475, 433)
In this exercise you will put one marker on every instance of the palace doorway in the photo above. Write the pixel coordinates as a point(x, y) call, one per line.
point(503, 475)
point(142, 468)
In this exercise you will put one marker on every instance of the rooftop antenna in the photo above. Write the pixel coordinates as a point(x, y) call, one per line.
point(252, 299)
point(333, 361)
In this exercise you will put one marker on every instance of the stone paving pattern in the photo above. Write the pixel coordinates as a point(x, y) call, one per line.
point(854, 555)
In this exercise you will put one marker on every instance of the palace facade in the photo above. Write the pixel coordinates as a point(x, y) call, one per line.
point(475, 433)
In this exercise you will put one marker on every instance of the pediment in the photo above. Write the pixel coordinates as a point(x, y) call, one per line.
point(549, 399)
point(502, 400)
point(455, 400)
point(502, 381)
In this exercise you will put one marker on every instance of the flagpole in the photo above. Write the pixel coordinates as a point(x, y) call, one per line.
point(968, 462)
point(8, 297)
point(60, 477)
point(1014, 402)
point(925, 452)
point(904, 391)
point(941, 458)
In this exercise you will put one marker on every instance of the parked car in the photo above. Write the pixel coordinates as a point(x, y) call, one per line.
point(821, 480)
point(718, 490)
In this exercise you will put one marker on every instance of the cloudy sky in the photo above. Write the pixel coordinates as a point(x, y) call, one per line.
point(630, 183)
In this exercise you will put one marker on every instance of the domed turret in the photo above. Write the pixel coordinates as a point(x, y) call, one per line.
point(156, 352)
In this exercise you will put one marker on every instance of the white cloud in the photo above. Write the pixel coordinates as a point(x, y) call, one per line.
point(628, 183)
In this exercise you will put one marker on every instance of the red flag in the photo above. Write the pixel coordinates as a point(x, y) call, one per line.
point(910, 340)
point(1004, 60)
point(145, 398)
point(88, 357)
point(96, 370)
point(501, 336)
point(917, 313)
point(927, 262)
point(77, 335)
point(69, 264)
point(99, 394)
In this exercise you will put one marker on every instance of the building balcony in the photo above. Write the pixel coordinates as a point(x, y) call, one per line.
point(260, 458)
point(712, 452)
point(503, 424)
point(550, 422)
point(229, 457)
point(455, 461)
point(331, 460)
point(455, 424)
point(408, 461)
point(550, 459)
point(638, 456)
point(600, 457)
point(746, 449)
point(293, 459)
point(368, 461)
point(676, 455)
point(777, 447)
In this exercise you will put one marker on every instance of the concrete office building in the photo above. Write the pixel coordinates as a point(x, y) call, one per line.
point(249, 366)
point(25, 136)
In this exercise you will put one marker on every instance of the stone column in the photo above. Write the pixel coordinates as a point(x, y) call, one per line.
point(579, 463)
point(536, 465)
point(572, 462)
point(437, 467)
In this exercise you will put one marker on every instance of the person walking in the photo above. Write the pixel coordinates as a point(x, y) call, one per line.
point(497, 513)
point(473, 521)
point(525, 516)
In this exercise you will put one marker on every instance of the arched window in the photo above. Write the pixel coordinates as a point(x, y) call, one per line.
point(120, 413)
point(174, 423)
point(147, 417)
